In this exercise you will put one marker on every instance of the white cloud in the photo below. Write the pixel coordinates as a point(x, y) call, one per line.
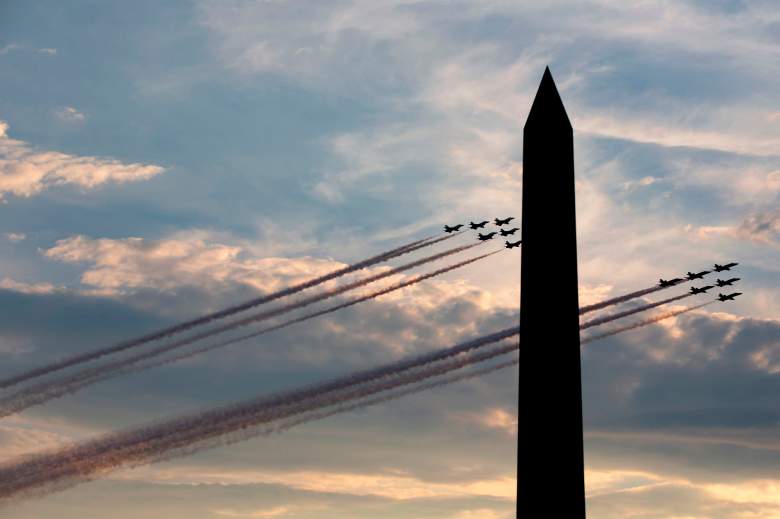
point(745, 137)
point(492, 418)
point(25, 171)
point(194, 259)
point(762, 227)
point(396, 485)
point(27, 288)
point(15, 237)
point(8, 48)
point(70, 114)
point(48, 51)
point(184, 260)
point(265, 513)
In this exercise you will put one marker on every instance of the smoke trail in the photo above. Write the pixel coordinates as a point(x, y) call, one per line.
point(612, 317)
point(627, 297)
point(221, 414)
point(619, 299)
point(280, 427)
point(178, 328)
point(211, 428)
point(325, 412)
point(45, 391)
point(70, 465)
point(651, 320)
point(351, 302)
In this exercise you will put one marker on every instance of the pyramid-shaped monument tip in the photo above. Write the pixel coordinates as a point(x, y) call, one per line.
point(547, 107)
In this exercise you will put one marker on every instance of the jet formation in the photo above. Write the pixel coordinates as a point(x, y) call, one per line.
point(498, 222)
point(690, 276)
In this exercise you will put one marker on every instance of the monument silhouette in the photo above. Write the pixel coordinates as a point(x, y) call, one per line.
point(550, 467)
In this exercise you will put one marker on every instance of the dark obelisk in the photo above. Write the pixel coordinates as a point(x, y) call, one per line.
point(550, 468)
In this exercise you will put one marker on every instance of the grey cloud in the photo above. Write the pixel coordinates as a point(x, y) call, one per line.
point(762, 226)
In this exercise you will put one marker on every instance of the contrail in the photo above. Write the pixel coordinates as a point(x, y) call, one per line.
point(645, 322)
point(627, 297)
point(64, 467)
point(386, 397)
point(48, 390)
point(54, 470)
point(325, 412)
point(178, 328)
point(619, 299)
point(612, 317)
point(221, 414)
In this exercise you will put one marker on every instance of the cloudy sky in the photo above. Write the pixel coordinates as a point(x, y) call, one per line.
point(163, 159)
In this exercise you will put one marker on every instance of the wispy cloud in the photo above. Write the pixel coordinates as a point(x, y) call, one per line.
point(27, 288)
point(9, 47)
point(25, 171)
point(15, 237)
point(70, 114)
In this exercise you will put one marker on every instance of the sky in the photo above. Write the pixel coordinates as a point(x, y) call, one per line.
point(159, 160)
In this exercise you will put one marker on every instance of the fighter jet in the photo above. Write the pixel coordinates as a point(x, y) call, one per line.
point(701, 290)
point(454, 228)
point(663, 283)
point(725, 282)
point(480, 225)
point(729, 297)
point(486, 237)
point(697, 275)
point(512, 245)
point(505, 221)
point(727, 266)
point(507, 232)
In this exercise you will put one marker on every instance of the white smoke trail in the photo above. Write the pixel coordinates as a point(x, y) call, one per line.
point(48, 390)
point(612, 317)
point(61, 468)
point(645, 322)
point(178, 328)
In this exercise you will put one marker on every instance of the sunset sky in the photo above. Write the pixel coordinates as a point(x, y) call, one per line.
point(159, 160)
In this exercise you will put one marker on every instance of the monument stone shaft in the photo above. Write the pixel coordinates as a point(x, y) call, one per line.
point(550, 479)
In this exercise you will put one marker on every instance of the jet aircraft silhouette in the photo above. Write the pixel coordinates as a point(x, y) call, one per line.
point(727, 266)
point(701, 290)
point(505, 221)
point(454, 228)
point(486, 237)
point(697, 275)
point(729, 297)
point(725, 282)
point(511, 245)
point(663, 283)
point(480, 225)
point(507, 232)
